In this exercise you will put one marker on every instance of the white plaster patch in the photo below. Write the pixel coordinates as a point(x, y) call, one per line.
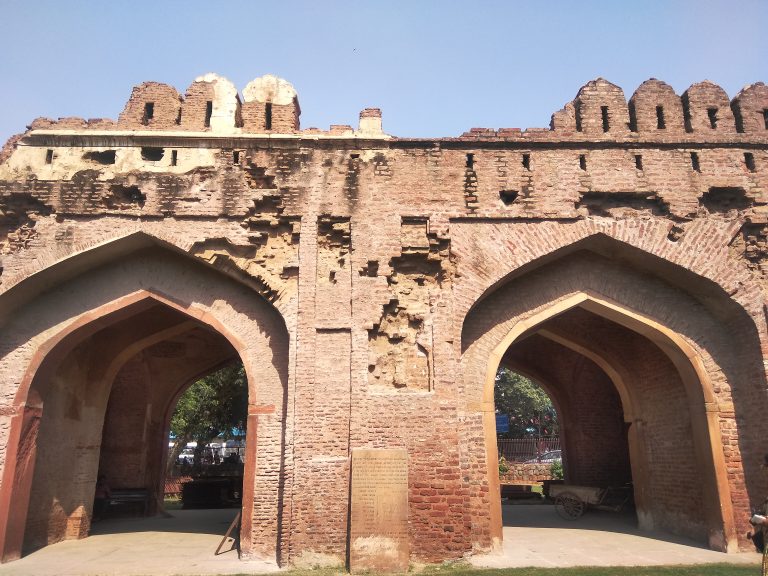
point(225, 103)
point(270, 88)
point(376, 546)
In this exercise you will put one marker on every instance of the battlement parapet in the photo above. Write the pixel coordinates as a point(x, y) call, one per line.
point(599, 113)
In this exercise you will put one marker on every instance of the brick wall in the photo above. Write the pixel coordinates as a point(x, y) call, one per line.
point(369, 284)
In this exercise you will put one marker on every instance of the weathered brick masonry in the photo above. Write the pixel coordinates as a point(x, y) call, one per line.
point(372, 286)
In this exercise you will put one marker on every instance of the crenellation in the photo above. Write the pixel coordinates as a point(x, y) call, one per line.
point(152, 106)
point(655, 107)
point(750, 109)
point(707, 108)
point(601, 110)
point(270, 105)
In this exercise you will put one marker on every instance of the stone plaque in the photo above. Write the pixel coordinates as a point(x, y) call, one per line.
point(379, 518)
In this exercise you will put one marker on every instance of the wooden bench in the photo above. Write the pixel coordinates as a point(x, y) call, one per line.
point(513, 490)
point(130, 497)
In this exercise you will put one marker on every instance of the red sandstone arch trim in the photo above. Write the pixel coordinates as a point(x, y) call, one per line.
point(706, 258)
point(143, 235)
point(16, 486)
point(703, 406)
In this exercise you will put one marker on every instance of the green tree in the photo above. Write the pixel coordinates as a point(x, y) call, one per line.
point(214, 406)
point(529, 408)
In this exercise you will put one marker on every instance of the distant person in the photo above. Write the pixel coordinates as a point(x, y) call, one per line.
point(760, 522)
point(764, 526)
point(101, 498)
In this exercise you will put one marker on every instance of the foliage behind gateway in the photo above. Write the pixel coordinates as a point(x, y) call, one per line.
point(530, 410)
point(213, 407)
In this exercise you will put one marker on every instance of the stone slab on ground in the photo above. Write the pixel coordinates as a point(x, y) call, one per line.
point(537, 536)
point(181, 545)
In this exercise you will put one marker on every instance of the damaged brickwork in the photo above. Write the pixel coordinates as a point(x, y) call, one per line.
point(372, 286)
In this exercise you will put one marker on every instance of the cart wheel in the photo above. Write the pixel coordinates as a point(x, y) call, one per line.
point(569, 506)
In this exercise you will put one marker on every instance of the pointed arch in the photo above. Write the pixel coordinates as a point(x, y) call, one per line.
point(695, 379)
point(707, 334)
point(48, 315)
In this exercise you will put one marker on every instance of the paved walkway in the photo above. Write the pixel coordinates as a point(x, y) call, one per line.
point(184, 545)
point(534, 535)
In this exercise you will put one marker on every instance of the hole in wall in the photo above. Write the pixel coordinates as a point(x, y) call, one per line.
point(152, 154)
point(105, 157)
point(508, 196)
point(661, 123)
point(618, 203)
point(527, 161)
point(371, 269)
point(268, 116)
point(582, 161)
point(765, 117)
point(723, 199)
point(470, 161)
point(125, 197)
point(174, 157)
point(236, 157)
point(49, 156)
point(675, 233)
point(604, 115)
point(638, 162)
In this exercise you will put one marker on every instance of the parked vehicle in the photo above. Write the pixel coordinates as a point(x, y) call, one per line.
point(547, 457)
point(187, 457)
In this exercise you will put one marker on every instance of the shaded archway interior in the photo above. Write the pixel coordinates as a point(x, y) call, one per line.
point(605, 442)
point(670, 342)
point(105, 394)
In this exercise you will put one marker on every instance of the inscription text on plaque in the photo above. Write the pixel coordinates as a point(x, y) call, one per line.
point(379, 518)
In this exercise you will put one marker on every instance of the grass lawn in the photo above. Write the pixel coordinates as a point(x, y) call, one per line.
point(702, 570)
point(170, 503)
point(464, 570)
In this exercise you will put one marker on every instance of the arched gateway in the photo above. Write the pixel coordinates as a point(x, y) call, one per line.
point(372, 286)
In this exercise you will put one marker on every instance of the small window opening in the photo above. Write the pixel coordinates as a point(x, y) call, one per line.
point(527, 161)
point(582, 162)
point(749, 160)
point(765, 117)
point(236, 157)
point(638, 161)
point(268, 116)
point(660, 122)
point(178, 117)
point(695, 162)
point(470, 161)
point(49, 156)
point(354, 156)
point(578, 118)
point(508, 196)
point(149, 112)
point(152, 154)
point(604, 113)
point(208, 113)
point(174, 157)
point(712, 113)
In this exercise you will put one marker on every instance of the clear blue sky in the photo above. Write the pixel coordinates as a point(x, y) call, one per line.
point(435, 68)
